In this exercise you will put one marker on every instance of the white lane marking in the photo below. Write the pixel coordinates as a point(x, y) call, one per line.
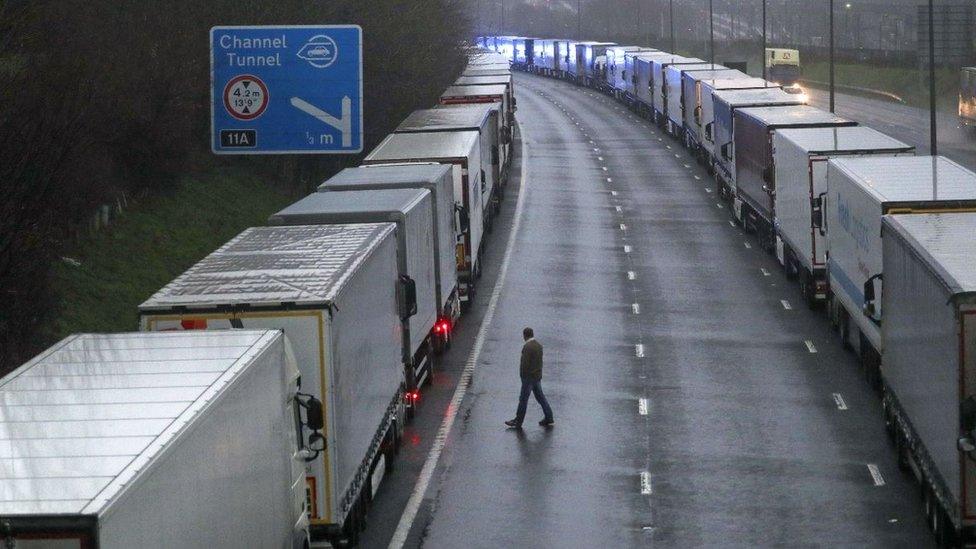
point(604, 168)
point(698, 178)
point(747, 245)
point(876, 474)
point(618, 208)
point(591, 143)
point(600, 158)
point(765, 272)
point(609, 180)
point(623, 227)
point(613, 193)
point(430, 464)
point(627, 248)
point(639, 350)
point(676, 155)
point(668, 146)
point(731, 223)
point(718, 205)
point(596, 150)
point(810, 346)
point(687, 165)
point(631, 275)
point(645, 481)
point(707, 190)
point(786, 305)
point(839, 401)
point(642, 406)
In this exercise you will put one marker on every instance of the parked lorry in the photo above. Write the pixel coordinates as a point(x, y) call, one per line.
point(125, 440)
point(859, 192)
point(491, 93)
point(674, 94)
point(435, 178)
point(800, 163)
point(659, 83)
point(412, 211)
point(691, 100)
point(783, 66)
point(755, 171)
point(334, 291)
point(929, 372)
point(706, 126)
point(967, 96)
point(524, 52)
point(644, 85)
point(617, 76)
point(566, 58)
point(462, 151)
point(724, 104)
point(588, 70)
point(485, 118)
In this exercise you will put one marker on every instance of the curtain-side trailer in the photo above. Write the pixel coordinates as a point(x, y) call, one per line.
point(755, 173)
point(321, 285)
point(412, 211)
point(929, 362)
point(462, 151)
point(156, 440)
point(800, 161)
point(435, 178)
point(859, 192)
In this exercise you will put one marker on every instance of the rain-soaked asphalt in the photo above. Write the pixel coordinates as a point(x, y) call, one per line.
point(697, 403)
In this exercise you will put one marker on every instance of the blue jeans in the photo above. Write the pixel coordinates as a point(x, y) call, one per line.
point(534, 387)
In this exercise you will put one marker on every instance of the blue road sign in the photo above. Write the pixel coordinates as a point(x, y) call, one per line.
point(287, 89)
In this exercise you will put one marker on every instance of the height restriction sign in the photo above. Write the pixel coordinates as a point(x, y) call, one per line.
point(286, 89)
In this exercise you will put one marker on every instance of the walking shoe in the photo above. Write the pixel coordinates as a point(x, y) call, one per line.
point(514, 424)
point(547, 422)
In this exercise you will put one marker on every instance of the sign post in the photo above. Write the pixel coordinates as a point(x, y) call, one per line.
point(286, 89)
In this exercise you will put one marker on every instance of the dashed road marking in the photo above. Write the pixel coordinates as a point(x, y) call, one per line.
point(635, 307)
point(786, 305)
point(627, 248)
point(687, 165)
point(764, 271)
point(747, 245)
point(623, 227)
point(631, 275)
point(609, 180)
point(604, 168)
point(698, 178)
point(613, 193)
point(645, 483)
point(642, 406)
point(639, 350)
point(839, 401)
point(707, 190)
point(718, 205)
point(600, 158)
point(876, 474)
point(618, 208)
point(810, 346)
point(668, 146)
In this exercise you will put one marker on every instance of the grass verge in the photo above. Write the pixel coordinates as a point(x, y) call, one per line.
point(149, 245)
point(907, 83)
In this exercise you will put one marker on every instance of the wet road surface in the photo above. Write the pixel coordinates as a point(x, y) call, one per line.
point(696, 401)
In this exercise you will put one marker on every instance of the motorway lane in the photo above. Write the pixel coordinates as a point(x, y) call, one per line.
point(906, 123)
point(640, 288)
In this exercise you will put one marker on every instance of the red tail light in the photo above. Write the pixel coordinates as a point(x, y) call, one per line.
point(194, 323)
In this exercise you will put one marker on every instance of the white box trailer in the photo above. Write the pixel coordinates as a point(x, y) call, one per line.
point(631, 69)
point(588, 55)
point(674, 93)
point(724, 104)
point(324, 286)
point(436, 178)
point(566, 57)
point(412, 211)
point(154, 440)
point(800, 162)
point(659, 83)
point(859, 192)
point(929, 362)
point(487, 70)
point(644, 85)
point(691, 100)
point(462, 151)
point(617, 77)
point(484, 118)
point(706, 127)
point(484, 93)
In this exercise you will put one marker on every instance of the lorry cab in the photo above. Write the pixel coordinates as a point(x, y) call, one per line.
point(967, 96)
point(783, 67)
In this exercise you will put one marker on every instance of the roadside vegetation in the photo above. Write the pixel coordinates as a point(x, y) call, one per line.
point(104, 110)
point(909, 83)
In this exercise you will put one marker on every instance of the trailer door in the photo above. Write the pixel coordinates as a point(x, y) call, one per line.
point(967, 361)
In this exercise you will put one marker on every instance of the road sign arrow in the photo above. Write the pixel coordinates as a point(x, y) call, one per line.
point(343, 124)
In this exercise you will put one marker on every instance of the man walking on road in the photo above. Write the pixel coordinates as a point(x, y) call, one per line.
point(530, 370)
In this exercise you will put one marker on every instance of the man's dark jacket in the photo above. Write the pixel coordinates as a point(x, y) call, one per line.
point(530, 366)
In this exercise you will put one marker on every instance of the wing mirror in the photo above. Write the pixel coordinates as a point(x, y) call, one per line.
point(314, 421)
point(870, 298)
point(408, 297)
point(967, 423)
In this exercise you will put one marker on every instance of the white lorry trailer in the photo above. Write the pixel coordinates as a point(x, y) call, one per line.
point(334, 291)
point(412, 211)
point(589, 70)
point(725, 103)
point(674, 94)
point(659, 83)
point(800, 162)
point(706, 126)
point(617, 76)
point(859, 192)
point(644, 85)
point(462, 151)
point(691, 101)
point(929, 362)
point(436, 178)
point(486, 93)
point(156, 440)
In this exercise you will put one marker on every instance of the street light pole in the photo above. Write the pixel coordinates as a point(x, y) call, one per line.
point(579, 20)
point(671, 12)
point(711, 33)
point(764, 39)
point(831, 55)
point(933, 133)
